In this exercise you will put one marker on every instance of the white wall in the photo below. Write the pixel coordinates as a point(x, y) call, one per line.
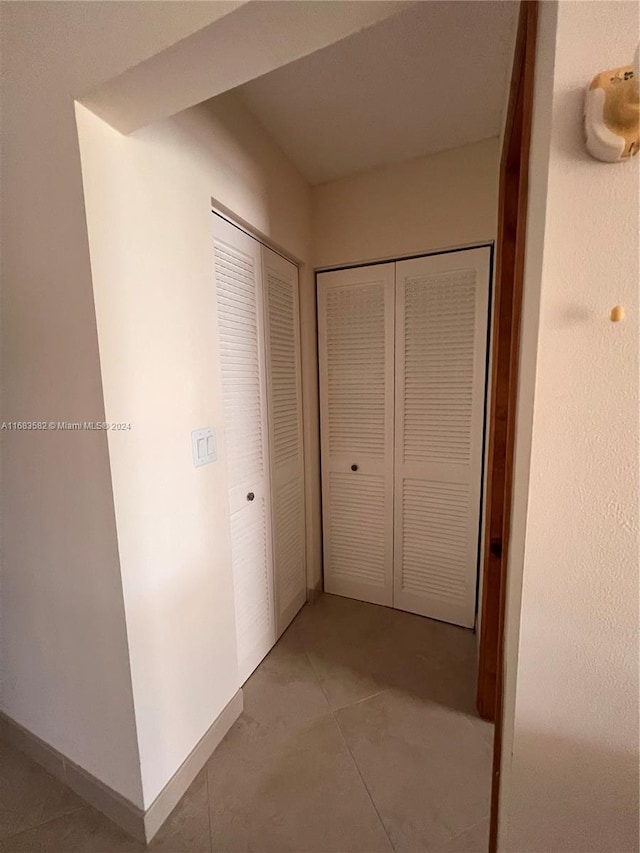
point(252, 40)
point(65, 650)
point(570, 757)
point(437, 202)
point(150, 235)
point(64, 664)
point(65, 655)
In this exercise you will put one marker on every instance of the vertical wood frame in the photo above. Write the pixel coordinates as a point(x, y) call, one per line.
point(510, 254)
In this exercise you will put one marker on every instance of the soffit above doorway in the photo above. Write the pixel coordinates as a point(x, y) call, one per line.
point(430, 78)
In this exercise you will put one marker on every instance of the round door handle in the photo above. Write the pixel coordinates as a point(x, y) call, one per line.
point(354, 467)
point(250, 496)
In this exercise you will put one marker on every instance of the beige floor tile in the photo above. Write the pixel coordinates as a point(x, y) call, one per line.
point(431, 660)
point(293, 793)
point(344, 639)
point(427, 769)
point(282, 692)
point(29, 795)
point(346, 676)
point(87, 831)
point(359, 649)
point(433, 679)
point(333, 618)
point(283, 780)
point(473, 840)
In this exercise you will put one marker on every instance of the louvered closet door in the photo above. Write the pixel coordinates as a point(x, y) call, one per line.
point(441, 339)
point(285, 435)
point(238, 276)
point(355, 338)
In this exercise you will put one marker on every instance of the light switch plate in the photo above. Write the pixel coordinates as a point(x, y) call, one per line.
point(203, 446)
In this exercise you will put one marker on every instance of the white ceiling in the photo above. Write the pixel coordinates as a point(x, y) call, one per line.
point(432, 77)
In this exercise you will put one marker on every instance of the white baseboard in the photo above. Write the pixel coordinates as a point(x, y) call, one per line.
point(168, 798)
point(141, 824)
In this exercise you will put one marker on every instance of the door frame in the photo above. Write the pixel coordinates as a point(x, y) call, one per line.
point(223, 212)
point(510, 257)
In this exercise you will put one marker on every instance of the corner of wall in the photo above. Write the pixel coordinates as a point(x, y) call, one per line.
point(536, 218)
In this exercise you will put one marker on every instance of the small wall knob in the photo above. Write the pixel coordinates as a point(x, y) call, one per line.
point(354, 467)
point(617, 314)
point(250, 496)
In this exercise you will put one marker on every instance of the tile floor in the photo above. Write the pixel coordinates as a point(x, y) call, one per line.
point(358, 734)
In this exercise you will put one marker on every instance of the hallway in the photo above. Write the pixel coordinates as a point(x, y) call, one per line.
point(358, 734)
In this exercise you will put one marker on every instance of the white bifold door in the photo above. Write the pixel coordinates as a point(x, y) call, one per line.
point(415, 362)
point(441, 346)
point(284, 406)
point(257, 301)
point(355, 349)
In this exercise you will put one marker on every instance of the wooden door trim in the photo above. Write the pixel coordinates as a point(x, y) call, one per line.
point(510, 254)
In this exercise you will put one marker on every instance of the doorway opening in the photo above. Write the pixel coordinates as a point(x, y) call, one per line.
point(388, 649)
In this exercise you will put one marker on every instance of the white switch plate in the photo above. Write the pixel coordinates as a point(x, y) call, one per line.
point(203, 446)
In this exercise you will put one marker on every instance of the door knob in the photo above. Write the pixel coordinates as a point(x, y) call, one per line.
point(250, 496)
point(354, 467)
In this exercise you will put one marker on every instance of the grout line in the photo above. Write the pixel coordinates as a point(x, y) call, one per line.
point(366, 787)
point(348, 748)
point(315, 675)
point(462, 832)
point(83, 807)
point(347, 704)
point(364, 699)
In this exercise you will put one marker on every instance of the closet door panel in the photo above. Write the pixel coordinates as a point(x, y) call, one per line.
point(285, 435)
point(238, 276)
point(441, 339)
point(355, 339)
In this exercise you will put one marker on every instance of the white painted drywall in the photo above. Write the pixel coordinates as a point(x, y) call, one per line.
point(429, 203)
point(150, 235)
point(398, 103)
point(253, 39)
point(570, 754)
point(64, 655)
